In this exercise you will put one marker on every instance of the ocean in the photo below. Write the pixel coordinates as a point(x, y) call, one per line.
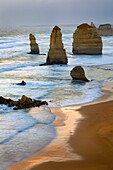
point(25, 132)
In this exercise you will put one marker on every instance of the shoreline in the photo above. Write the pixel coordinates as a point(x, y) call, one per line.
point(63, 151)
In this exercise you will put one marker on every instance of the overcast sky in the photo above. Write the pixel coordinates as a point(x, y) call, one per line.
point(38, 12)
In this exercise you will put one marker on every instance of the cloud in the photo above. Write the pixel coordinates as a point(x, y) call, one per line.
point(53, 12)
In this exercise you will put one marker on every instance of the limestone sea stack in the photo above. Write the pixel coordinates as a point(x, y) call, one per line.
point(33, 45)
point(105, 30)
point(86, 40)
point(78, 73)
point(57, 53)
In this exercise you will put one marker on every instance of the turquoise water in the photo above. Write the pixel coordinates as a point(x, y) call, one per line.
point(50, 83)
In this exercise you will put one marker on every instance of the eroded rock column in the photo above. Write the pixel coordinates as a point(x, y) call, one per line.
point(33, 45)
point(57, 53)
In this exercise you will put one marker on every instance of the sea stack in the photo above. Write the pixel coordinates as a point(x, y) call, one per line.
point(33, 45)
point(105, 30)
point(57, 53)
point(78, 73)
point(86, 40)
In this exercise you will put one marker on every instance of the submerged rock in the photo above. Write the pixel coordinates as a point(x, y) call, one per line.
point(33, 45)
point(23, 83)
point(22, 103)
point(105, 30)
point(86, 40)
point(57, 53)
point(78, 73)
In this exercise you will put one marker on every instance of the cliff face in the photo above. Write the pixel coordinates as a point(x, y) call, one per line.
point(57, 53)
point(33, 45)
point(86, 40)
point(105, 30)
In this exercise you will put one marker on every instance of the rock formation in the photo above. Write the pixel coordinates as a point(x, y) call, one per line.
point(86, 40)
point(23, 83)
point(33, 45)
point(105, 30)
point(93, 25)
point(22, 103)
point(57, 53)
point(78, 73)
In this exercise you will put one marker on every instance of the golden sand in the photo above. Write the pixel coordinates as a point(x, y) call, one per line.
point(84, 139)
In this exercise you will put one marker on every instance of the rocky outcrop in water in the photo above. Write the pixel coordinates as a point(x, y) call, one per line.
point(105, 30)
point(86, 40)
point(78, 73)
point(23, 83)
point(33, 45)
point(57, 53)
point(22, 103)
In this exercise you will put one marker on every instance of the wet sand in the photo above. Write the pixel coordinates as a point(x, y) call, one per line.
point(84, 140)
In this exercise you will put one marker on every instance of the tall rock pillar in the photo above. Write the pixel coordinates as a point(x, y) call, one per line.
point(57, 53)
point(33, 45)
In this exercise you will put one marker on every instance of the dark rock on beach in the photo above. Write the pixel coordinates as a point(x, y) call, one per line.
point(5, 101)
point(22, 103)
point(78, 73)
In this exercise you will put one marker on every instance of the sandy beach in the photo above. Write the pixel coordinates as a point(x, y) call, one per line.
point(84, 138)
